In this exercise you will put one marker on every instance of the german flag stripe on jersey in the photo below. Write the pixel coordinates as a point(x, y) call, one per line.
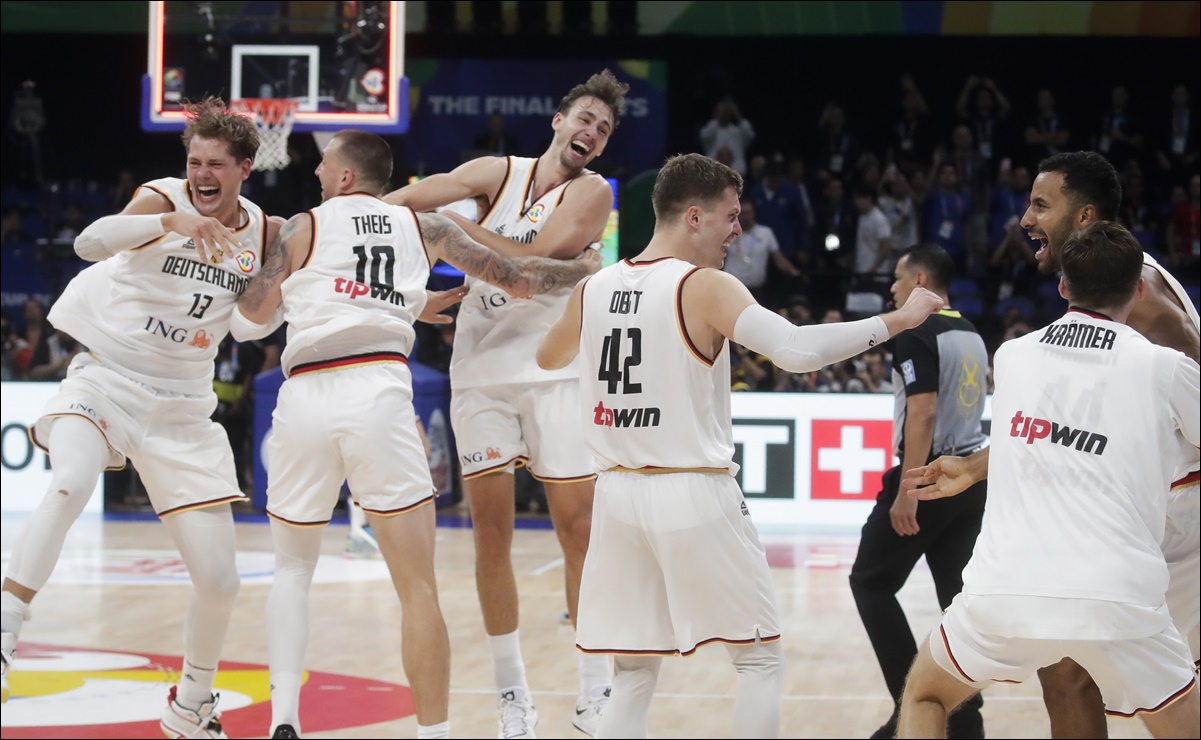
point(291, 523)
point(680, 320)
point(1187, 688)
point(401, 510)
point(947, 646)
point(202, 505)
point(1188, 480)
point(342, 363)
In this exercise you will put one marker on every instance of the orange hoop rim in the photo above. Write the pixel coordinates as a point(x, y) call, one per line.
point(268, 110)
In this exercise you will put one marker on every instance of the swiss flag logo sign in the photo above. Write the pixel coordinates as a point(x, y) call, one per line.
point(849, 458)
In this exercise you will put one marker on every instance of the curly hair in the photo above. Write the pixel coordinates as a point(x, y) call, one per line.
point(604, 87)
point(211, 119)
point(1088, 178)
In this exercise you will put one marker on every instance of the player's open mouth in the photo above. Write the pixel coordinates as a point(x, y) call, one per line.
point(581, 148)
point(1042, 246)
point(208, 192)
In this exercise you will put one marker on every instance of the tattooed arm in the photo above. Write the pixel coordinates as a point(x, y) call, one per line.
point(445, 240)
point(257, 313)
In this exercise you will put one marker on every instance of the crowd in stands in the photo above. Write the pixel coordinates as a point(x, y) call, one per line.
point(824, 217)
point(822, 227)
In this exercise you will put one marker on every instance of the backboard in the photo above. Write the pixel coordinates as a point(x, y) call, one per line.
point(343, 62)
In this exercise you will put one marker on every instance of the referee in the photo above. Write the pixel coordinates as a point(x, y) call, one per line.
point(940, 377)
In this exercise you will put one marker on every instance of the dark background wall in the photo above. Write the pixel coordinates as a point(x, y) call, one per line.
point(90, 83)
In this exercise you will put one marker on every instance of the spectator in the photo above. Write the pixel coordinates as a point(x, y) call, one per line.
point(36, 337)
point(877, 373)
point(1184, 236)
point(1179, 158)
point(1119, 138)
point(837, 148)
point(13, 230)
point(873, 235)
point(728, 129)
point(912, 143)
point(986, 119)
point(779, 205)
point(122, 191)
point(73, 223)
point(50, 360)
point(13, 344)
point(796, 309)
point(946, 215)
point(897, 204)
point(1010, 198)
point(496, 141)
point(748, 253)
point(1048, 133)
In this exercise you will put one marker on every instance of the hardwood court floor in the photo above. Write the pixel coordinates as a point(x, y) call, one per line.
point(833, 687)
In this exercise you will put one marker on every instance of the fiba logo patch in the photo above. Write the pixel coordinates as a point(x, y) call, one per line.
point(535, 213)
point(245, 260)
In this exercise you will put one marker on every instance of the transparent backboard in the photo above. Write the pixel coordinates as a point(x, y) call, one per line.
point(343, 62)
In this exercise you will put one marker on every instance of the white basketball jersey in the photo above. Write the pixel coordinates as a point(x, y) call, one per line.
point(1189, 460)
point(1082, 415)
point(157, 311)
point(649, 398)
point(497, 336)
point(363, 285)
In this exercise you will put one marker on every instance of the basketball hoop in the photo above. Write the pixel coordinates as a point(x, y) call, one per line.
point(273, 118)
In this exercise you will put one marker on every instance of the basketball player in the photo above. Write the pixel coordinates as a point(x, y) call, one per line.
point(152, 312)
point(675, 561)
point(1072, 190)
point(506, 411)
point(350, 277)
point(1068, 562)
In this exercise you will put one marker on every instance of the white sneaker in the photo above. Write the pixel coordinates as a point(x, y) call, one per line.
point(8, 649)
point(517, 715)
point(360, 544)
point(588, 710)
point(180, 722)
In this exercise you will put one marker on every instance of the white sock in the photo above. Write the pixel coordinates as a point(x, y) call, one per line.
point(13, 613)
point(297, 550)
point(442, 729)
point(195, 686)
point(596, 674)
point(507, 666)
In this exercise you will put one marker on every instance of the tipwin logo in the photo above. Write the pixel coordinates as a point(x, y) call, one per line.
point(1030, 429)
point(849, 458)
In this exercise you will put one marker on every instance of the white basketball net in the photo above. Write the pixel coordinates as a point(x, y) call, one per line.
point(273, 118)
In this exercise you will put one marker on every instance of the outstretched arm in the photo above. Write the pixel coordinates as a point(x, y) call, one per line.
point(718, 301)
point(525, 276)
point(257, 312)
point(946, 476)
point(562, 343)
point(479, 177)
point(577, 221)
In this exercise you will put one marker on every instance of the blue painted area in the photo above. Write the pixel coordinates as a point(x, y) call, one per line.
point(921, 17)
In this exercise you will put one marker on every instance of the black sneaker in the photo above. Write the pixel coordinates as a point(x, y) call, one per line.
point(285, 731)
point(886, 730)
point(966, 723)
